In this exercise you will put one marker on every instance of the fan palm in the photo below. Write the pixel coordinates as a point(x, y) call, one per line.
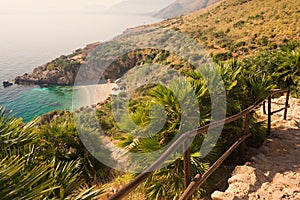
point(289, 71)
point(27, 173)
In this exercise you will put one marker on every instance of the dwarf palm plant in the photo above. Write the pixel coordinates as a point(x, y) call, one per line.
point(62, 141)
point(27, 173)
point(20, 177)
point(288, 73)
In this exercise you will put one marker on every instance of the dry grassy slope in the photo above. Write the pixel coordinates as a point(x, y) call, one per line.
point(241, 26)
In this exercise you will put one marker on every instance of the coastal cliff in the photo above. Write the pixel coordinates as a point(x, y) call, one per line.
point(61, 71)
point(64, 70)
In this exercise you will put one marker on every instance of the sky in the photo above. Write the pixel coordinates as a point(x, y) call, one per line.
point(52, 6)
point(57, 6)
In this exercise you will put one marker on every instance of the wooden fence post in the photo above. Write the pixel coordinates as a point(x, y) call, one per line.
point(286, 104)
point(269, 114)
point(244, 129)
point(264, 108)
point(187, 165)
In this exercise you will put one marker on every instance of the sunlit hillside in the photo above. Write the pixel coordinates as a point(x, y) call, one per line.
point(242, 27)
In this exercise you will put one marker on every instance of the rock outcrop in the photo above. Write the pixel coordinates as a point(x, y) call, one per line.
point(7, 84)
point(61, 71)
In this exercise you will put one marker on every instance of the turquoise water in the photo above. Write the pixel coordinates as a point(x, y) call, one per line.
point(28, 41)
point(30, 101)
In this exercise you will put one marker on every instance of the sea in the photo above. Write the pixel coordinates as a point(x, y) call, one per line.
point(28, 41)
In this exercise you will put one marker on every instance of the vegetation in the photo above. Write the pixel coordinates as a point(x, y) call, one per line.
point(241, 28)
point(31, 165)
point(280, 64)
point(243, 88)
point(50, 160)
point(65, 63)
point(246, 81)
point(255, 46)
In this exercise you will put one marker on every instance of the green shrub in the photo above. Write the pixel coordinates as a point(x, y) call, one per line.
point(238, 24)
point(222, 56)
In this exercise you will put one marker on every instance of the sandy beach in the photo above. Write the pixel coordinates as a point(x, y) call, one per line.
point(89, 95)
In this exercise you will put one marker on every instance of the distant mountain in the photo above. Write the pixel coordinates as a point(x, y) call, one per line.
point(182, 7)
point(139, 6)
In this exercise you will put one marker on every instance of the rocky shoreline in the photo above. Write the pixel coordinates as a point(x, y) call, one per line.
point(61, 71)
point(43, 76)
point(7, 84)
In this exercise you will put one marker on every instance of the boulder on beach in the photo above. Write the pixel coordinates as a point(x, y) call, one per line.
point(7, 84)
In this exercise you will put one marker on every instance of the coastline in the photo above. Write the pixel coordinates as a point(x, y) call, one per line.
point(23, 56)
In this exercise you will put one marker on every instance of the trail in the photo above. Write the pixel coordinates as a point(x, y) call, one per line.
point(274, 173)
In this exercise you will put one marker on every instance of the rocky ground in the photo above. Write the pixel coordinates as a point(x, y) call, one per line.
point(274, 173)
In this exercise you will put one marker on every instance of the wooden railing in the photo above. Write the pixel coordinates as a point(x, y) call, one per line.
point(270, 112)
point(191, 185)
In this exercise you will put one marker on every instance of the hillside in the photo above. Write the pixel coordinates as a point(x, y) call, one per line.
point(232, 28)
point(241, 27)
point(264, 36)
point(182, 7)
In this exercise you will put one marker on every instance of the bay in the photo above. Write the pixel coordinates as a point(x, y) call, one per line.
point(27, 41)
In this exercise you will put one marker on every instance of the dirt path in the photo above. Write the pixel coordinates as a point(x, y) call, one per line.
point(275, 172)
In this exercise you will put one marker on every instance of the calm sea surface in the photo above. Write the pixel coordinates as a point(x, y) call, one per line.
point(27, 41)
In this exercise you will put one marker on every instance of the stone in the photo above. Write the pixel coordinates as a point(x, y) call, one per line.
point(7, 84)
point(217, 195)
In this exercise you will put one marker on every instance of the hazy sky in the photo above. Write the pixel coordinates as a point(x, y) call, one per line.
point(19, 7)
point(52, 6)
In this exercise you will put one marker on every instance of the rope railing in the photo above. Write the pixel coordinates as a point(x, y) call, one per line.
point(192, 185)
